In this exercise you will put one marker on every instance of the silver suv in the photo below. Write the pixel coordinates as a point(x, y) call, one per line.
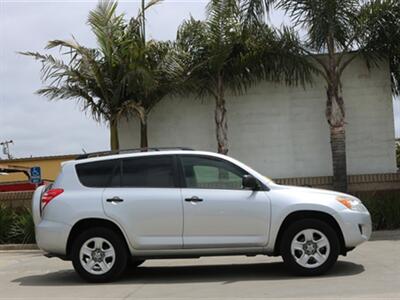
point(109, 211)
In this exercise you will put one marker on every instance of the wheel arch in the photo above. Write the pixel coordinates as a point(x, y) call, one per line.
point(309, 214)
point(87, 223)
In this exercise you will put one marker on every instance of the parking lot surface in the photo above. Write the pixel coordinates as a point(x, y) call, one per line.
point(370, 271)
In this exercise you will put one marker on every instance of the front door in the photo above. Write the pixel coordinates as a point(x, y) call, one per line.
point(218, 212)
point(146, 202)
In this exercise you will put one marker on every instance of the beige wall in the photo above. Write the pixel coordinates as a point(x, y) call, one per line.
point(281, 131)
point(50, 167)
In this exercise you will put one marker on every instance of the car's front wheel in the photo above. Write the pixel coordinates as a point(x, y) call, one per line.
point(310, 247)
point(99, 255)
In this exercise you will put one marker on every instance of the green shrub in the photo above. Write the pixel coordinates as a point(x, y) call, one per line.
point(16, 226)
point(384, 207)
point(23, 229)
point(6, 220)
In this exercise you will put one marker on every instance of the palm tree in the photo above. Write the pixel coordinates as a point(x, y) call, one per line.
point(230, 51)
point(124, 76)
point(89, 76)
point(154, 71)
point(342, 29)
point(380, 36)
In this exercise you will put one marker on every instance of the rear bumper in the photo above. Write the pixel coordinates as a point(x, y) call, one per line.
point(52, 237)
point(356, 227)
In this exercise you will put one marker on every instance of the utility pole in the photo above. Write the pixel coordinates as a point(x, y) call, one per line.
point(6, 148)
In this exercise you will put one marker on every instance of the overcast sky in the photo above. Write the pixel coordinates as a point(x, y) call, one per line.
point(39, 127)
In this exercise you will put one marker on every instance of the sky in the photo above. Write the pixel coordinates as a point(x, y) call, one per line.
point(38, 126)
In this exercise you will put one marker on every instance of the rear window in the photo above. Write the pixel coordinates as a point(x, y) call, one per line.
point(152, 171)
point(103, 173)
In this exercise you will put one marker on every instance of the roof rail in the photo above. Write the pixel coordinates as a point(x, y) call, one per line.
point(135, 150)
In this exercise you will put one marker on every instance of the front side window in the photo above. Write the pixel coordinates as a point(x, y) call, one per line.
point(211, 173)
point(151, 171)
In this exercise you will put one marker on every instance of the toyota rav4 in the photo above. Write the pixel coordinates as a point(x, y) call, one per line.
point(105, 212)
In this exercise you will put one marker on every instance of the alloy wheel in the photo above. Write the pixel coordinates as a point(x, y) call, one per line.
point(97, 256)
point(310, 248)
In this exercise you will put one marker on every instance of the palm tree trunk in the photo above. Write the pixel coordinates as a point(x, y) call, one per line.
point(143, 21)
point(144, 143)
point(221, 119)
point(114, 140)
point(335, 116)
point(338, 147)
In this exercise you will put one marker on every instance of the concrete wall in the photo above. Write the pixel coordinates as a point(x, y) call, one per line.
point(281, 131)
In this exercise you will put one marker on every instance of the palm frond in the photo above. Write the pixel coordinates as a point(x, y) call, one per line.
point(124, 76)
point(243, 55)
point(379, 38)
point(323, 19)
point(106, 25)
point(253, 12)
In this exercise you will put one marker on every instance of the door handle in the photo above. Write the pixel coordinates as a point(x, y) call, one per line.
point(194, 199)
point(115, 199)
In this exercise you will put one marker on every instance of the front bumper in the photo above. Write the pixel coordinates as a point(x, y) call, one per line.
point(52, 237)
point(356, 227)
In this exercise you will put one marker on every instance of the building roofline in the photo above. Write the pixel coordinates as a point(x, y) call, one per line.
point(34, 158)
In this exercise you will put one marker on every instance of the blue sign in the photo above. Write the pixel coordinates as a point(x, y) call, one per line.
point(36, 175)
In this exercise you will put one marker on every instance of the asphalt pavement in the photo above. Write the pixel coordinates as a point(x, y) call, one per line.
point(371, 271)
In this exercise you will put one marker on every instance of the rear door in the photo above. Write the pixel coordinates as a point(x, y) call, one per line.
point(145, 200)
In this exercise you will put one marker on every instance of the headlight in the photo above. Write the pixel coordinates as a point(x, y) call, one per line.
point(351, 203)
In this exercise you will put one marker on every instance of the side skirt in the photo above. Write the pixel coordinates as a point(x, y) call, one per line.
point(197, 253)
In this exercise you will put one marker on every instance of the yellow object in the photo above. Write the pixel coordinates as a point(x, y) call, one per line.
point(50, 167)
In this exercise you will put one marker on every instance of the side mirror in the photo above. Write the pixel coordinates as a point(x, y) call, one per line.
point(249, 182)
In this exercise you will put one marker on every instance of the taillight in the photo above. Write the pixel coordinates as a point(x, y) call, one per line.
point(50, 195)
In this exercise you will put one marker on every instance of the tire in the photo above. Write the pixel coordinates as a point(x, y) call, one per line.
point(99, 255)
point(309, 247)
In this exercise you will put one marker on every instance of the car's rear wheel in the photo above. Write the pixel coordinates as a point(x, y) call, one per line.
point(310, 247)
point(99, 255)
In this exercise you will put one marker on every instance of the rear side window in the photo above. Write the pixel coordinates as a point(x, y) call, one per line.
point(152, 171)
point(103, 173)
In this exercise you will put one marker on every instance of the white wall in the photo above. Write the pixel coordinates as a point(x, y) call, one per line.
point(281, 131)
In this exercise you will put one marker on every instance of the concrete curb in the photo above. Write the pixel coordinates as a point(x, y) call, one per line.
point(18, 247)
point(393, 235)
